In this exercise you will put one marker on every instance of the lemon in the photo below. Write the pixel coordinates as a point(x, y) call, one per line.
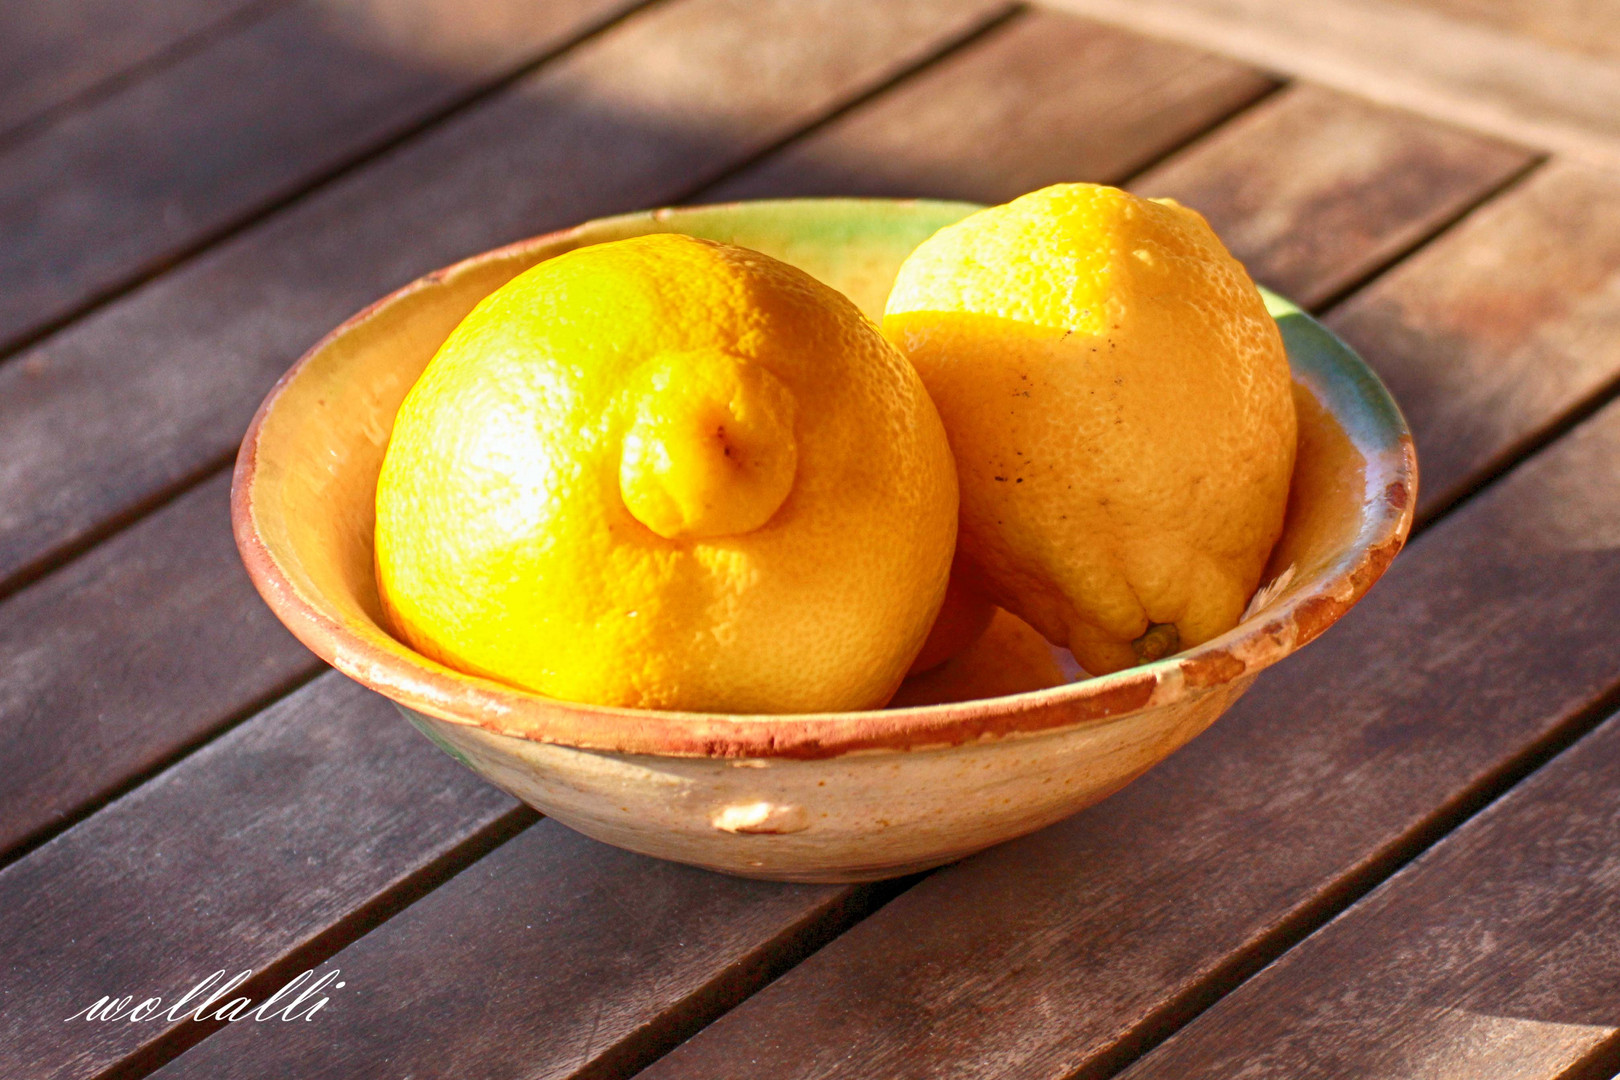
point(669, 473)
point(963, 616)
point(1008, 657)
point(1120, 407)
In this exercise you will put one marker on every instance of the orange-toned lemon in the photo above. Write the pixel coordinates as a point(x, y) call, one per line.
point(1009, 657)
point(1120, 407)
point(962, 618)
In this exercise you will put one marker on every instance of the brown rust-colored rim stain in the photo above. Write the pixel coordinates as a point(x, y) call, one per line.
point(421, 684)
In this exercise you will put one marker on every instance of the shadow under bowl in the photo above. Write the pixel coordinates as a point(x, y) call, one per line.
point(827, 797)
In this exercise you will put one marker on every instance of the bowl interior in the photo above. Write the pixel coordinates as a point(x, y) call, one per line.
point(305, 486)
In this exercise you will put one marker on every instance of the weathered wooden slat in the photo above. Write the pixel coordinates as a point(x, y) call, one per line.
point(1361, 185)
point(1537, 92)
point(1058, 954)
point(554, 956)
point(1043, 99)
point(128, 655)
point(1593, 29)
point(248, 850)
point(1497, 954)
point(127, 184)
point(148, 391)
point(49, 53)
point(1508, 321)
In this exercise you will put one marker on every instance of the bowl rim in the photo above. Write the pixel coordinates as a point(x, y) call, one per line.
point(419, 683)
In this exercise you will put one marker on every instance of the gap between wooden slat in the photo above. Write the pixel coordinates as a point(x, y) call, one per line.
point(764, 965)
point(318, 949)
point(705, 192)
point(1241, 966)
point(1281, 85)
point(696, 191)
point(1349, 289)
point(154, 62)
point(269, 207)
point(242, 713)
point(1603, 1063)
point(156, 500)
point(1522, 452)
point(1454, 70)
point(1439, 973)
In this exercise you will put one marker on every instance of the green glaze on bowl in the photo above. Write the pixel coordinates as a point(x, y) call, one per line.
point(842, 796)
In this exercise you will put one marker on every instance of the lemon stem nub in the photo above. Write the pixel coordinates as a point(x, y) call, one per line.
point(1161, 640)
point(709, 449)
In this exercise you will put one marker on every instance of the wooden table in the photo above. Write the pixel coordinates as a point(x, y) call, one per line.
point(1399, 856)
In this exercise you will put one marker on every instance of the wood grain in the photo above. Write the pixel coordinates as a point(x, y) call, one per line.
point(553, 956)
point(1460, 70)
point(124, 657)
point(148, 391)
point(127, 184)
point(50, 53)
point(247, 850)
point(1497, 954)
point(1577, 26)
point(1056, 955)
point(1505, 324)
point(1314, 189)
point(1044, 99)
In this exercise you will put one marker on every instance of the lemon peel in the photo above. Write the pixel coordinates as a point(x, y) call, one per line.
point(1120, 406)
point(669, 473)
point(710, 448)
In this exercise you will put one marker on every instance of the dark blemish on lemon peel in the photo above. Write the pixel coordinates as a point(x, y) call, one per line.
point(1160, 641)
point(720, 433)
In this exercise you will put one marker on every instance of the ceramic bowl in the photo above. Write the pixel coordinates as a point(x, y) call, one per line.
point(833, 797)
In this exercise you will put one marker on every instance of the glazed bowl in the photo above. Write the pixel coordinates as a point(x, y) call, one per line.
point(831, 797)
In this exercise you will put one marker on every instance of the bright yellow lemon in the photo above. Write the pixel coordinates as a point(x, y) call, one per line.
point(669, 473)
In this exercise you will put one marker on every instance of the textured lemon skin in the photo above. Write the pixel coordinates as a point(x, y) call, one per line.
point(1120, 407)
point(504, 543)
